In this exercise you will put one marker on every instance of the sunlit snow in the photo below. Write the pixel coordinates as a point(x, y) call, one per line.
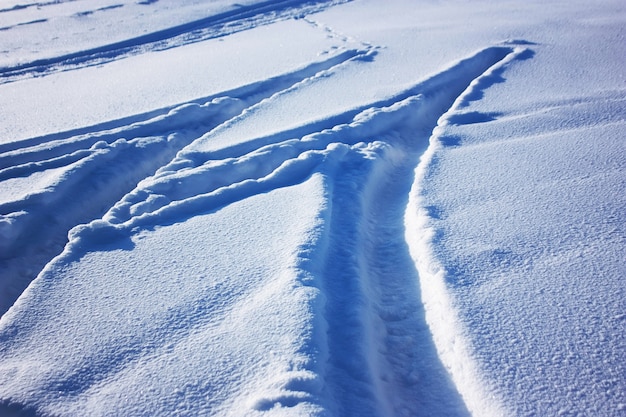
point(312, 208)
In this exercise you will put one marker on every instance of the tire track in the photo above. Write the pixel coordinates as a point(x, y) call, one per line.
point(219, 25)
point(89, 172)
point(190, 176)
point(381, 358)
point(380, 343)
point(170, 119)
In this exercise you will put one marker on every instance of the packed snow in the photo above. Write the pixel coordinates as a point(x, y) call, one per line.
point(312, 208)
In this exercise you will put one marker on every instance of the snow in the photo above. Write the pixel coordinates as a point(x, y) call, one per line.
point(312, 208)
point(552, 247)
point(157, 81)
point(205, 310)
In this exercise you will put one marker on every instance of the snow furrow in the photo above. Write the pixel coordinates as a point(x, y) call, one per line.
point(104, 166)
point(380, 356)
point(163, 120)
point(212, 149)
point(189, 182)
point(185, 178)
point(35, 228)
point(381, 352)
point(312, 208)
point(223, 24)
point(36, 157)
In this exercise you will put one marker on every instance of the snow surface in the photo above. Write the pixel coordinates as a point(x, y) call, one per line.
point(312, 208)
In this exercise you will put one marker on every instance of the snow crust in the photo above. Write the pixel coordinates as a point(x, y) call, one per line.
point(300, 208)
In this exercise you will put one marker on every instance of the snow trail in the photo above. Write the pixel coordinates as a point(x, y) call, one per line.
point(168, 118)
point(255, 209)
point(374, 318)
point(185, 177)
point(89, 170)
point(242, 17)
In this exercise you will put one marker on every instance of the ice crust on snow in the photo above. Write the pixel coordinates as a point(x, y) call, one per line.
point(312, 208)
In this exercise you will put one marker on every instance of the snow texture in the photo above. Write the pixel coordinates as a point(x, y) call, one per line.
point(312, 208)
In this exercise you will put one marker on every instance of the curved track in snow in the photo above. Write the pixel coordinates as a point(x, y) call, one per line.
point(380, 353)
point(84, 172)
point(311, 208)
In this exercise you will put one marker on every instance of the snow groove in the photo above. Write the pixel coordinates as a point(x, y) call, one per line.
point(375, 210)
point(159, 120)
point(379, 356)
point(239, 19)
point(196, 174)
point(382, 358)
point(105, 162)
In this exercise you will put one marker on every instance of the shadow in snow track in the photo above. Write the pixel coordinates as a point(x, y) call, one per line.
point(11, 409)
point(382, 360)
point(381, 357)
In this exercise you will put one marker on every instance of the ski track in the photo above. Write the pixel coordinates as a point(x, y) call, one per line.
point(381, 356)
point(215, 26)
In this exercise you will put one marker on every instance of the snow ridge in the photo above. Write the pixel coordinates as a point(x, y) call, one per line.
point(447, 333)
point(84, 169)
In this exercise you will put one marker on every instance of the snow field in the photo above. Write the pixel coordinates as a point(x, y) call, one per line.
point(312, 208)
